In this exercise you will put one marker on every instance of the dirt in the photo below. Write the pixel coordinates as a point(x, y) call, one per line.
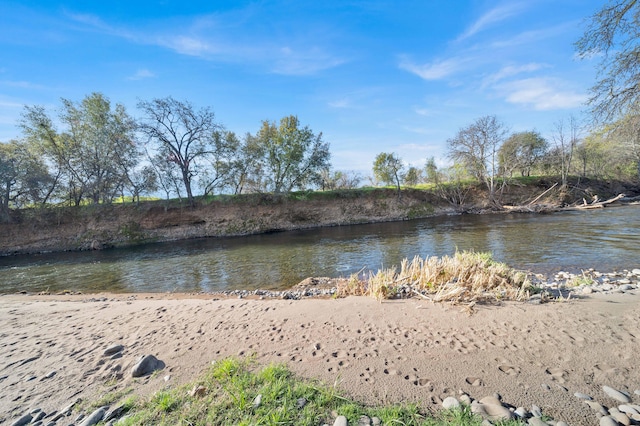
point(104, 226)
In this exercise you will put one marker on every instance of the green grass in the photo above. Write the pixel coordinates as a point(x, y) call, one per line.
point(231, 386)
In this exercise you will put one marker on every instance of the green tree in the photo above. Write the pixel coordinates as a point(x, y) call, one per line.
point(23, 178)
point(182, 135)
point(431, 170)
point(522, 151)
point(338, 179)
point(476, 147)
point(388, 168)
point(413, 176)
point(627, 132)
point(293, 157)
point(613, 35)
point(221, 162)
point(94, 152)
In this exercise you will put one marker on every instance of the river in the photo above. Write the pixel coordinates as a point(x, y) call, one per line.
point(606, 239)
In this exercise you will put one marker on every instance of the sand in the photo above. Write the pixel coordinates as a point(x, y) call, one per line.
point(394, 351)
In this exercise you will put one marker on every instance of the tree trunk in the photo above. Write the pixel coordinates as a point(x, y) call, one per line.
point(187, 186)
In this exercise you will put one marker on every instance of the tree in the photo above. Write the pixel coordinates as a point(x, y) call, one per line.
point(337, 179)
point(522, 151)
point(476, 147)
point(627, 131)
point(293, 157)
point(183, 135)
point(388, 168)
point(221, 162)
point(613, 33)
point(412, 176)
point(22, 177)
point(94, 152)
point(142, 181)
point(431, 170)
point(565, 138)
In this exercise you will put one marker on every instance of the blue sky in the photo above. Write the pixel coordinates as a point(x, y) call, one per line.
point(372, 76)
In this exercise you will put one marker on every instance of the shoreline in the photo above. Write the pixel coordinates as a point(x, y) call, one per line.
point(112, 226)
point(396, 350)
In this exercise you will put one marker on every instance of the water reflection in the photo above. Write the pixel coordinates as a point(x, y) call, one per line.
point(607, 239)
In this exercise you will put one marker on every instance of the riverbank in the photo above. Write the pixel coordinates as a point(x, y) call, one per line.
point(104, 226)
point(411, 350)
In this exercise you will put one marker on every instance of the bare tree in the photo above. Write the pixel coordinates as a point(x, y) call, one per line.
point(613, 33)
point(184, 135)
point(565, 138)
point(476, 147)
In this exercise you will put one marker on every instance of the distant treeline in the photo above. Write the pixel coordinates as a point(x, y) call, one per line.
point(94, 152)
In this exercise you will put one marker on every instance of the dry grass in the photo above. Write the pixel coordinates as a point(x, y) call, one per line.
point(466, 277)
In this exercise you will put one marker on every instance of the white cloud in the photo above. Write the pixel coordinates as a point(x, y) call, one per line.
point(493, 16)
point(541, 94)
point(436, 70)
point(298, 62)
point(186, 45)
point(512, 70)
point(340, 103)
point(22, 84)
point(141, 74)
point(533, 36)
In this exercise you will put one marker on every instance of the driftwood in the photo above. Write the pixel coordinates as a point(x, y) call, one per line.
point(531, 207)
point(542, 195)
point(595, 204)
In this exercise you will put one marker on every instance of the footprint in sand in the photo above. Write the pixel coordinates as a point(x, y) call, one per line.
point(509, 369)
point(474, 381)
point(557, 374)
point(391, 371)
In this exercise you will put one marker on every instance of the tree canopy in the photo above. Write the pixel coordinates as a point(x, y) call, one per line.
point(183, 134)
point(613, 35)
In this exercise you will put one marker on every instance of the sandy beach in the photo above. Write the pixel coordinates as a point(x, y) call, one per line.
point(394, 351)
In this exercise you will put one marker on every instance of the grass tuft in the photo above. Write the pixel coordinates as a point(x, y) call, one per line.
point(466, 277)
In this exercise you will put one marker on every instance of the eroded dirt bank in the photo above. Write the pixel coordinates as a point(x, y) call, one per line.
point(97, 227)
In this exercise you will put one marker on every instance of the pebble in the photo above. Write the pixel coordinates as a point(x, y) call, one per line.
point(113, 349)
point(582, 396)
point(94, 417)
point(596, 406)
point(257, 401)
point(301, 403)
point(450, 402)
point(621, 418)
point(340, 421)
point(114, 413)
point(608, 421)
point(23, 420)
point(627, 409)
point(146, 365)
point(364, 421)
point(536, 421)
point(616, 394)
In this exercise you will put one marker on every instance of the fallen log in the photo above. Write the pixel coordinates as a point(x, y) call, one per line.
point(596, 204)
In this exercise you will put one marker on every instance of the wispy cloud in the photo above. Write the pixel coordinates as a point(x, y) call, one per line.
point(22, 84)
point(541, 94)
point(532, 36)
point(290, 61)
point(141, 74)
point(511, 71)
point(493, 16)
point(213, 38)
point(436, 70)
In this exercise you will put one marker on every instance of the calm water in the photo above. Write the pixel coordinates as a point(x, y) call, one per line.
point(606, 239)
